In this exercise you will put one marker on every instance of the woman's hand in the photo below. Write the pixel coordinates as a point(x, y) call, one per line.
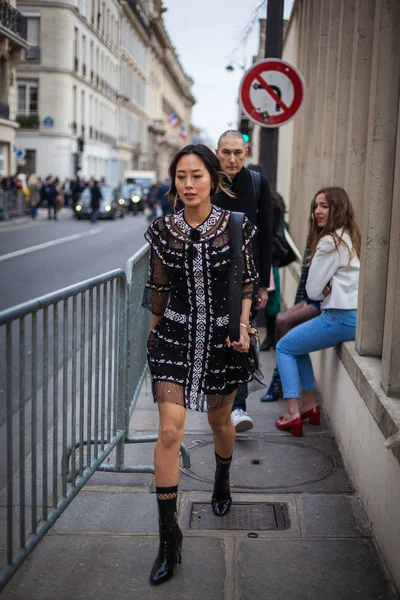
point(327, 290)
point(243, 344)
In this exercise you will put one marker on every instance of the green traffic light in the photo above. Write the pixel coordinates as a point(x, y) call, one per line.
point(246, 138)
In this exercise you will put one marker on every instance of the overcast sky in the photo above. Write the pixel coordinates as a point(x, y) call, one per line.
point(205, 34)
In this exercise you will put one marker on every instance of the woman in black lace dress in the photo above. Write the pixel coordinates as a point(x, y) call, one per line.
point(190, 358)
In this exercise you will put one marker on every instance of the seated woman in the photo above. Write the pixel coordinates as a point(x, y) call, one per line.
point(333, 279)
point(303, 310)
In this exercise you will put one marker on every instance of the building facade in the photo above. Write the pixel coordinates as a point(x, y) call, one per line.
point(348, 134)
point(170, 96)
point(13, 43)
point(72, 70)
point(133, 117)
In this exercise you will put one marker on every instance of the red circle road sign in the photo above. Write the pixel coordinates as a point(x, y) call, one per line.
point(272, 92)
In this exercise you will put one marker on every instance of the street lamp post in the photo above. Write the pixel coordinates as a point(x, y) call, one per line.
point(273, 49)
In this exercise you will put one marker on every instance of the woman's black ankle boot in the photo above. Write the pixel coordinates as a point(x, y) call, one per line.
point(221, 499)
point(170, 548)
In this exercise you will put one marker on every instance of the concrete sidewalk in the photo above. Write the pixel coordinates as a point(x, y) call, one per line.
point(105, 543)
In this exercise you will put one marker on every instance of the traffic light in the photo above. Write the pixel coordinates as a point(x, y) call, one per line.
point(81, 144)
point(245, 130)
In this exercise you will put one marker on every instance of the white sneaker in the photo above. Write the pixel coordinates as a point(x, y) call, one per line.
point(241, 420)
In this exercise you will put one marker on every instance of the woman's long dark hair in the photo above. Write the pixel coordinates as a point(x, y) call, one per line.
point(341, 216)
point(211, 163)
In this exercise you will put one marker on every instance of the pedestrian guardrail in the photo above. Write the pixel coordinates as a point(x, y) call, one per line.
point(75, 361)
point(13, 203)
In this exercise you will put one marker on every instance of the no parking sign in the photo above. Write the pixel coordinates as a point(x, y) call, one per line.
point(272, 92)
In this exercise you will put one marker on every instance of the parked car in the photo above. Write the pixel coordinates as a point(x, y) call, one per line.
point(131, 195)
point(109, 208)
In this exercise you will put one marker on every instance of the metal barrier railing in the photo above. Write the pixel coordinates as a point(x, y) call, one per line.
point(13, 203)
point(74, 363)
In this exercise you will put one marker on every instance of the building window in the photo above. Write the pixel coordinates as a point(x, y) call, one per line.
point(91, 62)
point(103, 14)
point(33, 37)
point(84, 55)
point(82, 112)
point(27, 98)
point(76, 62)
point(3, 85)
point(97, 66)
point(30, 161)
point(2, 161)
point(74, 109)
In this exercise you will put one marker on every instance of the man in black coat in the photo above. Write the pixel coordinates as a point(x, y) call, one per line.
point(49, 194)
point(95, 193)
point(256, 205)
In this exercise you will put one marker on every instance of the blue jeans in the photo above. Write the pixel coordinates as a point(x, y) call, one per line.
point(292, 351)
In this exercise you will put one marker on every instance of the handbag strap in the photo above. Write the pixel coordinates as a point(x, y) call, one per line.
point(235, 274)
point(256, 182)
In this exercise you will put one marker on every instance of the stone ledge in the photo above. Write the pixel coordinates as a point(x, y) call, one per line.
point(365, 372)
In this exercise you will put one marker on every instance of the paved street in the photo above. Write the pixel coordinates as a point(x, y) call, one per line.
point(102, 247)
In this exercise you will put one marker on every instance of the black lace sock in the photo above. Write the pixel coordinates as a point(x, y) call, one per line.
point(166, 500)
point(170, 548)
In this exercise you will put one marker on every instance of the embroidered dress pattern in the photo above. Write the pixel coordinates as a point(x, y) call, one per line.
point(188, 289)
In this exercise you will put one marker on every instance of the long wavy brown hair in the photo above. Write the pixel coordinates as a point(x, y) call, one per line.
point(341, 217)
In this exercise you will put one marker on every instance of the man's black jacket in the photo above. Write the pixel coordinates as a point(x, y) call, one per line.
point(258, 211)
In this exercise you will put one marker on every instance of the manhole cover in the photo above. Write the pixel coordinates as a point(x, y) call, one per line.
point(263, 464)
point(250, 516)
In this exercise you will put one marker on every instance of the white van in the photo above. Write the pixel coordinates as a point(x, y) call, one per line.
point(144, 178)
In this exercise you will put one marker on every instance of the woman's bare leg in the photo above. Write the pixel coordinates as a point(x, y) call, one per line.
point(308, 401)
point(220, 421)
point(299, 313)
point(170, 435)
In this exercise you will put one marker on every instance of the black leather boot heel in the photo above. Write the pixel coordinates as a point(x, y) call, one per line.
point(170, 548)
point(221, 498)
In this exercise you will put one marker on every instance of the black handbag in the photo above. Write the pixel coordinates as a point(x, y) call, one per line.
point(248, 360)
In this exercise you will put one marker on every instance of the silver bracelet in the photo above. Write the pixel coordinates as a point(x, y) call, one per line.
point(244, 325)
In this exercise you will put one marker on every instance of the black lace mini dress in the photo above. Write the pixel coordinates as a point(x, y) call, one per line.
point(188, 286)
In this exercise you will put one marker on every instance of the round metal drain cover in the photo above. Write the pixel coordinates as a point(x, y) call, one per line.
point(279, 464)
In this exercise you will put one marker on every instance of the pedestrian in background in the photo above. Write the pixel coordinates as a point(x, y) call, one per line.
point(67, 191)
point(251, 195)
point(162, 198)
point(49, 196)
point(333, 277)
point(95, 197)
point(190, 355)
point(75, 190)
point(34, 185)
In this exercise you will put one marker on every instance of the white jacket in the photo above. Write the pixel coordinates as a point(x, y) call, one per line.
point(332, 266)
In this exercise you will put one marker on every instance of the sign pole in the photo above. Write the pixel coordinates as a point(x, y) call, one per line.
point(273, 48)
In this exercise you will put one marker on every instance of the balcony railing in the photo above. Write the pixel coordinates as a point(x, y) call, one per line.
point(33, 53)
point(28, 121)
point(11, 19)
point(4, 111)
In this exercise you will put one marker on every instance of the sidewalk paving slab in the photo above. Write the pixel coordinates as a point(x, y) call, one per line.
point(104, 544)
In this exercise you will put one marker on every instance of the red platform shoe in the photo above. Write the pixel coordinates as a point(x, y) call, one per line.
point(295, 427)
point(313, 415)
